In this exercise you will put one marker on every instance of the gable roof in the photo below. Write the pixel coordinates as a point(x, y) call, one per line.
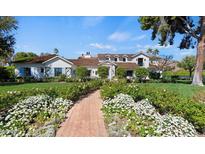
point(140, 53)
point(66, 60)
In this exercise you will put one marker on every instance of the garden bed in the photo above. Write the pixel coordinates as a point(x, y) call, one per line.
point(165, 101)
point(125, 117)
point(38, 112)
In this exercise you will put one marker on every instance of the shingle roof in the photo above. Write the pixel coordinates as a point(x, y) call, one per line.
point(102, 56)
point(127, 65)
point(39, 59)
point(92, 62)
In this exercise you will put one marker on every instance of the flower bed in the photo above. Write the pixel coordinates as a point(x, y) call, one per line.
point(125, 117)
point(34, 116)
point(71, 91)
point(165, 101)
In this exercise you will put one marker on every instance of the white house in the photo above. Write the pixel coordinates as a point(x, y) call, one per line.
point(53, 65)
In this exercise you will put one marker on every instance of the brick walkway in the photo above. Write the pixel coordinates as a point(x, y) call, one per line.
point(85, 119)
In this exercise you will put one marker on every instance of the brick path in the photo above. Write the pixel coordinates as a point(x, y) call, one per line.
point(85, 119)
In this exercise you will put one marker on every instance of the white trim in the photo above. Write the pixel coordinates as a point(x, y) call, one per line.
point(136, 55)
point(59, 58)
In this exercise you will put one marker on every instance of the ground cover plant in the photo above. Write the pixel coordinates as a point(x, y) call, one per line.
point(39, 111)
point(35, 116)
point(164, 100)
point(125, 117)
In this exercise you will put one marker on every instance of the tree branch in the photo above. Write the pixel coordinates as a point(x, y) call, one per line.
point(191, 31)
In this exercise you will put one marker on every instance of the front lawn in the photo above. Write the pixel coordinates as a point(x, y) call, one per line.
point(186, 90)
point(27, 86)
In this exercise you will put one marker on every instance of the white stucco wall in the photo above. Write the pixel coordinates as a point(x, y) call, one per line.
point(93, 71)
point(58, 63)
point(145, 60)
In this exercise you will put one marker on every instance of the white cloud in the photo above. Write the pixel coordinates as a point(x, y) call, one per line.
point(102, 46)
point(92, 21)
point(119, 36)
point(137, 38)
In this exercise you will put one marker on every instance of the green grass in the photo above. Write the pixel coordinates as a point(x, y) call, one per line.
point(186, 90)
point(25, 86)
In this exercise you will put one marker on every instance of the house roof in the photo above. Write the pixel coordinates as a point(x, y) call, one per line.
point(102, 56)
point(127, 65)
point(38, 59)
point(92, 62)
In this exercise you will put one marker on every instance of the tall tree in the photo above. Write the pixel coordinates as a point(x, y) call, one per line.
point(166, 27)
point(188, 63)
point(20, 56)
point(7, 40)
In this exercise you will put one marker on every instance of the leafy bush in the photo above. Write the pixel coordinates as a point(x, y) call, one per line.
point(154, 75)
point(62, 77)
point(120, 73)
point(165, 101)
point(141, 73)
point(7, 73)
point(103, 72)
point(141, 118)
point(81, 72)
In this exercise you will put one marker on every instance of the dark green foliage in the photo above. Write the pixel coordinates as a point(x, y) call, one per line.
point(154, 75)
point(166, 101)
point(7, 41)
point(81, 72)
point(7, 73)
point(120, 73)
point(141, 73)
point(168, 26)
point(188, 63)
point(103, 72)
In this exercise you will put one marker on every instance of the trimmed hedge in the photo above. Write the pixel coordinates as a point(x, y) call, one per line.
point(165, 101)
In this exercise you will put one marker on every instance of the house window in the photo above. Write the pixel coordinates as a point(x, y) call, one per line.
point(140, 61)
point(89, 72)
point(96, 72)
point(115, 59)
point(107, 58)
point(27, 71)
point(42, 70)
point(124, 59)
point(57, 71)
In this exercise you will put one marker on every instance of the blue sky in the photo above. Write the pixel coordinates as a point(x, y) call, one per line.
point(76, 35)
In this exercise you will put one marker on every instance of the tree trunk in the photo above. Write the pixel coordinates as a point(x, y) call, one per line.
point(198, 73)
point(190, 73)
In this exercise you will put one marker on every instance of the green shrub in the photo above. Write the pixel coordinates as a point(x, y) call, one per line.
point(165, 101)
point(120, 73)
point(141, 73)
point(7, 73)
point(81, 73)
point(62, 77)
point(103, 72)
